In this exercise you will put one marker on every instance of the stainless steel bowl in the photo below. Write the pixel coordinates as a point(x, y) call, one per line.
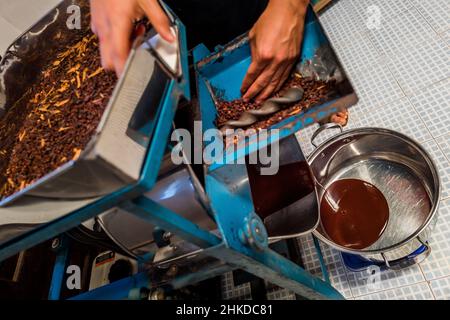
point(401, 169)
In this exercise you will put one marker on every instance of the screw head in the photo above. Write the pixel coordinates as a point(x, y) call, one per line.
point(254, 234)
point(56, 243)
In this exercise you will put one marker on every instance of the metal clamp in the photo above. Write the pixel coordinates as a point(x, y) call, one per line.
point(416, 257)
point(324, 127)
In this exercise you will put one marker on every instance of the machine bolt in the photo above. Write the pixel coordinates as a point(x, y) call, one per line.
point(254, 234)
point(167, 236)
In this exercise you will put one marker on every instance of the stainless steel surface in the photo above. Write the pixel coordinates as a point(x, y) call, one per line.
point(175, 191)
point(400, 168)
point(322, 128)
point(302, 216)
point(112, 158)
point(29, 212)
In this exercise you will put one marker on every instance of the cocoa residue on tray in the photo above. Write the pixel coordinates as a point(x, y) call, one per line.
point(316, 92)
point(55, 119)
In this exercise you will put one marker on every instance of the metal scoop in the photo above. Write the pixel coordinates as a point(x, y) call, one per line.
point(268, 108)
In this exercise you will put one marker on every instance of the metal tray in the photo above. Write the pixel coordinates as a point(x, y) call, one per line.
point(115, 155)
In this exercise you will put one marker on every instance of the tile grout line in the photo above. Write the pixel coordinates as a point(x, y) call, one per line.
point(439, 146)
point(346, 275)
point(420, 118)
point(439, 278)
point(429, 24)
point(399, 287)
point(431, 290)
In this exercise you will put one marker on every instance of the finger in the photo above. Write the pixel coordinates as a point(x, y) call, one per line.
point(106, 54)
point(95, 16)
point(100, 26)
point(274, 83)
point(158, 19)
point(284, 77)
point(255, 69)
point(93, 28)
point(259, 84)
point(120, 43)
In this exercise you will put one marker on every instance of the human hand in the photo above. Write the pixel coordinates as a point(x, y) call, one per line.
point(112, 21)
point(275, 42)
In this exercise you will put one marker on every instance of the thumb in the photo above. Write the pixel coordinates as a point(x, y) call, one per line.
point(158, 18)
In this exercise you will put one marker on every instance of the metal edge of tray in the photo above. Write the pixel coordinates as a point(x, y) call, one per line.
point(89, 154)
point(294, 123)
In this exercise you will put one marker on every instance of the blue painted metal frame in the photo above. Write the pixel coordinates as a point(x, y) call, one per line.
point(225, 69)
point(59, 269)
point(177, 88)
point(240, 231)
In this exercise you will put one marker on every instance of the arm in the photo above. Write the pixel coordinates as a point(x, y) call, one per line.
point(275, 42)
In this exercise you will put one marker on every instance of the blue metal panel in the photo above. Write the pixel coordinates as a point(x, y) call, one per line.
point(244, 241)
point(156, 214)
point(59, 270)
point(121, 289)
point(118, 290)
point(280, 271)
point(177, 88)
point(225, 71)
point(323, 267)
point(232, 207)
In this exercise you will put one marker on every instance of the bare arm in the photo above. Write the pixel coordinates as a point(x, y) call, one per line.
point(275, 41)
point(112, 21)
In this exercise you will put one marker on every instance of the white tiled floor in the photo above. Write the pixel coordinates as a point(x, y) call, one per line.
point(419, 291)
point(404, 85)
point(401, 72)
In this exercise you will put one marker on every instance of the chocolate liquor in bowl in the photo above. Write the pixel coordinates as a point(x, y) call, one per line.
point(272, 193)
point(353, 213)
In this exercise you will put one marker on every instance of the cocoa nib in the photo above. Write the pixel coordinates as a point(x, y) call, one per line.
point(54, 120)
point(316, 92)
